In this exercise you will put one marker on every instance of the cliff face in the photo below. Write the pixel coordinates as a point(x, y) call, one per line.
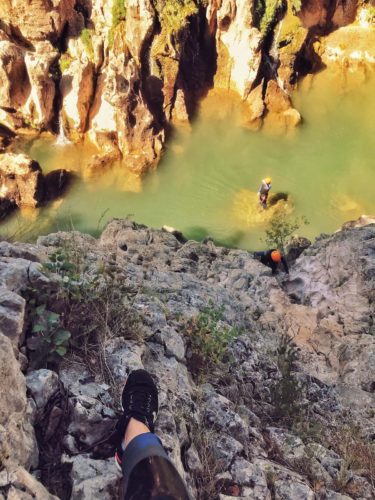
point(266, 384)
point(122, 73)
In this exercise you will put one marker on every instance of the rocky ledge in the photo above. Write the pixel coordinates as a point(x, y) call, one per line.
point(266, 383)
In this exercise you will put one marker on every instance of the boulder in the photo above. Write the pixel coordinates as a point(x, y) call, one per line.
point(56, 183)
point(295, 247)
point(23, 485)
point(94, 478)
point(281, 116)
point(364, 220)
point(42, 385)
point(12, 316)
point(17, 439)
point(21, 180)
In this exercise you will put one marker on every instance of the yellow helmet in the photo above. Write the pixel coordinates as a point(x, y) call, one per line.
point(268, 180)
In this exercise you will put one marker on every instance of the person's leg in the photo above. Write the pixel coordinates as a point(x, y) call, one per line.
point(147, 470)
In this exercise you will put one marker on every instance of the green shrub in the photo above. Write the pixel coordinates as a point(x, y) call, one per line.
point(280, 229)
point(265, 13)
point(371, 13)
point(91, 305)
point(287, 392)
point(356, 451)
point(48, 341)
point(65, 61)
point(296, 5)
point(118, 12)
point(86, 37)
point(69, 267)
point(208, 340)
point(118, 17)
point(173, 14)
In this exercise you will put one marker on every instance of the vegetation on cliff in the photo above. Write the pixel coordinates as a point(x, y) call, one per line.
point(266, 13)
point(173, 14)
point(118, 18)
point(86, 37)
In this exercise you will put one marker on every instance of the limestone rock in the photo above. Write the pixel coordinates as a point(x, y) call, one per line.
point(119, 112)
point(123, 357)
point(285, 490)
point(38, 20)
point(291, 39)
point(15, 273)
point(42, 384)
point(92, 419)
point(220, 415)
point(76, 88)
point(22, 183)
point(251, 476)
point(39, 106)
point(17, 437)
point(140, 19)
point(256, 105)
point(174, 345)
point(364, 220)
point(287, 484)
point(180, 113)
point(12, 315)
point(14, 82)
point(281, 115)
point(171, 283)
point(317, 13)
point(225, 449)
point(26, 251)
point(93, 478)
point(295, 247)
point(238, 45)
point(24, 486)
point(21, 180)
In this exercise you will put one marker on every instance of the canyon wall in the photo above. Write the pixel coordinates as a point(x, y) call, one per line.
point(122, 74)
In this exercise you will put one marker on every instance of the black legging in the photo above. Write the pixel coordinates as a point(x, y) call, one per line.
point(148, 472)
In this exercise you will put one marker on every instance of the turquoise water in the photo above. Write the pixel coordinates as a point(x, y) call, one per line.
point(326, 166)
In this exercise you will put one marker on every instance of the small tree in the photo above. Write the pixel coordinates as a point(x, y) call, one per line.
point(280, 228)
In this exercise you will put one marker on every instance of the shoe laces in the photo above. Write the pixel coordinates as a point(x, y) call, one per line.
point(139, 402)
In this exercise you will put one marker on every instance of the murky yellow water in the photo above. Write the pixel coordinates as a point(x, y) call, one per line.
point(207, 181)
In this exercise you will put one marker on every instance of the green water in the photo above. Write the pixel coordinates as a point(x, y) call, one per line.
point(327, 167)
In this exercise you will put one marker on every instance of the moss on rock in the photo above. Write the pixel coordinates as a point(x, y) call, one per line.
point(173, 14)
point(65, 61)
point(86, 38)
point(118, 19)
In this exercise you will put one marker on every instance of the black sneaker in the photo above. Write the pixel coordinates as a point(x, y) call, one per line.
point(140, 401)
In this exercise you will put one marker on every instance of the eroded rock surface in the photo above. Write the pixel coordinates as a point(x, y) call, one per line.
point(123, 75)
point(237, 415)
point(22, 183)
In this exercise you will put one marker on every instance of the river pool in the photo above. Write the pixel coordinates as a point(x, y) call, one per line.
point(208, 177)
